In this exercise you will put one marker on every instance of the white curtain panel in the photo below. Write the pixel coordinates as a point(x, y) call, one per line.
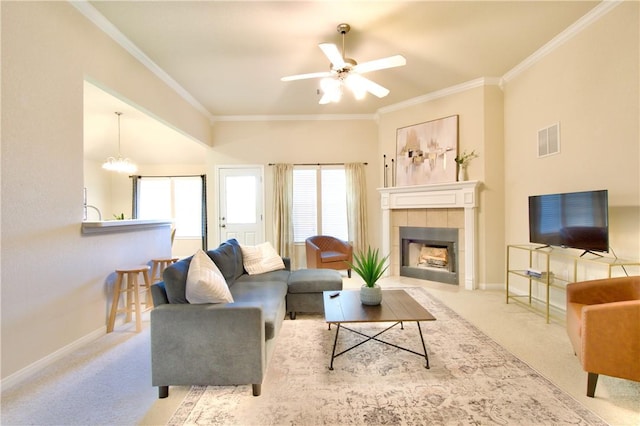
point(357, 205)
point(283, 211)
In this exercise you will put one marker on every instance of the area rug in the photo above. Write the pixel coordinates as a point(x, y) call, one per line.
point(472, 381)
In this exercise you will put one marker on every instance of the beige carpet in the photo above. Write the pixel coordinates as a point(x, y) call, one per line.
point(472, 380)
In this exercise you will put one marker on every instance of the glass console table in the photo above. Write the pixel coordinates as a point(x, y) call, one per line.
point(543, 269)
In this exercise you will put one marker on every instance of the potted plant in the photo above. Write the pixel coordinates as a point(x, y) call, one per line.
point(370, 266)
point(463, 161)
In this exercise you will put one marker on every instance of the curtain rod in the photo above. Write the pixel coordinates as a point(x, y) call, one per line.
point(318, 164)
point(160, 176)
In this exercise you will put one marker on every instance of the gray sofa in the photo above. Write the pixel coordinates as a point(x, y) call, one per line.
point(216, 344)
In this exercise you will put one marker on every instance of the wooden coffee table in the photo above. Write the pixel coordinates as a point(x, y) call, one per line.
point(397, 307)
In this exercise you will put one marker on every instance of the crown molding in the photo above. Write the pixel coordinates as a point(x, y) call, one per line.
point(574, 29)
point(293, 117)
point(92, 14)
point(448, 91)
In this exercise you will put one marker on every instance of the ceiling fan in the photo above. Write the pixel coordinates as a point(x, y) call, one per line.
point(347, 72)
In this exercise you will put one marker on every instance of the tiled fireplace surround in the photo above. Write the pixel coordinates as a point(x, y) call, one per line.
point(451, 205)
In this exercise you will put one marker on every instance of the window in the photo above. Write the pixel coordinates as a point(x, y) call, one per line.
point(240, 200)
point(177, 198)
point(319, 202)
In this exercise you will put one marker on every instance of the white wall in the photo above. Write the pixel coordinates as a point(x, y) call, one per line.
point(56, 282)
point(590, 86)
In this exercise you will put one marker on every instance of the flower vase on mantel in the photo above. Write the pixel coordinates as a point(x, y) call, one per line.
point(463, 161)
point(462, 174)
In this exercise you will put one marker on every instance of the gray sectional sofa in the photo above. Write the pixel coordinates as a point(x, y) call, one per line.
point(216, 344)
point(230, 343)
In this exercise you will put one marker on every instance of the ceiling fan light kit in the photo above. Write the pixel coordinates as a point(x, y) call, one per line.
point(331, 90)
point(347, 72)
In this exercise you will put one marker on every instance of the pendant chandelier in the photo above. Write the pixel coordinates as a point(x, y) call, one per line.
point(119, 164)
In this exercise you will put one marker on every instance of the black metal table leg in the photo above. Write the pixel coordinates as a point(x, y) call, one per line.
point(375, 337)
point(335, 341)
point(426, 357)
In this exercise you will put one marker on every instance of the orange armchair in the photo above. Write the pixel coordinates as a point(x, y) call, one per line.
point(325, 252)
point(603, 324)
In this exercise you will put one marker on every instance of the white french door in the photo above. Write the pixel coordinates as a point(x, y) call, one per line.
point(241, 205)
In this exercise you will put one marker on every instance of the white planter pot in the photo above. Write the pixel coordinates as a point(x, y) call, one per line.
point(371, 296)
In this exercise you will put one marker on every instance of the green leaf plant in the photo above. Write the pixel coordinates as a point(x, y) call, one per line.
point(465, 158)
point(369, 266)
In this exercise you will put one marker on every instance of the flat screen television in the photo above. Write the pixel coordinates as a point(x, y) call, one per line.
point(577, 220)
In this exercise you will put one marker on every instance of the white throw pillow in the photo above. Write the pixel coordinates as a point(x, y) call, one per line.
point(205, 283)
point(261, 258)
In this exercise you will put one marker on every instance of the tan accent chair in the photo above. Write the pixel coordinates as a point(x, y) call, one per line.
point(603, 324)
point(325, 252)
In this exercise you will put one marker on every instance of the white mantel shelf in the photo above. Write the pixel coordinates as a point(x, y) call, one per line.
point(441, 195)
point(127, 225)
point(437, 196)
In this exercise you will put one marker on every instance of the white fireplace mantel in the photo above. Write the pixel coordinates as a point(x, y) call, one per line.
point(437, 196)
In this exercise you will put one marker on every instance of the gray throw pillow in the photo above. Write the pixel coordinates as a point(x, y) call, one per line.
point(175, 281)
point(228, 258)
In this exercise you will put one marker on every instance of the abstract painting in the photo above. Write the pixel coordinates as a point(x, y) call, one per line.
point(426, 152)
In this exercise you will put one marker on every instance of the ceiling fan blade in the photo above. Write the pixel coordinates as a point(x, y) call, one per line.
point(380, 64)
point(358, 83)
point(309, 75)
point(331, 51)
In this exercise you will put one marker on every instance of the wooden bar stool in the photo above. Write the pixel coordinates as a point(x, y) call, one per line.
point(132, 288)
point(158, 266)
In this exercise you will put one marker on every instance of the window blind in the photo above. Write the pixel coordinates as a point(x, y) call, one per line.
point(319, 202)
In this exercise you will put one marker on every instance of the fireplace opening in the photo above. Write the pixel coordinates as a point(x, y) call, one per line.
point(429, 254)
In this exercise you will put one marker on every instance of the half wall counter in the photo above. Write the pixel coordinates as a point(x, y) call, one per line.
point(127, 225)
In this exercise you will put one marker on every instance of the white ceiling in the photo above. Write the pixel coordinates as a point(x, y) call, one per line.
point(230, 55)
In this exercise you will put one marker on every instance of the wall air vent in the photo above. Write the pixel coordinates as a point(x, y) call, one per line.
point(549, 140)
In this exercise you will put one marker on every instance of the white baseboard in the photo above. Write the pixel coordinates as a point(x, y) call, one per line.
point(27, 372)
